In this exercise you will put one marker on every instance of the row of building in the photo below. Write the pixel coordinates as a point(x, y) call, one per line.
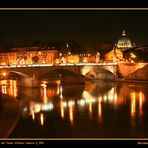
point(45, 57)
point(123, 50)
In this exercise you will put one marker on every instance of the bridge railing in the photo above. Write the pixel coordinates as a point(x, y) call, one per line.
point(61, 64)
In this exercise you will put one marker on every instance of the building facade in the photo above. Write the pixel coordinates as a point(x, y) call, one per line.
point(114, 55)
point(29, 57)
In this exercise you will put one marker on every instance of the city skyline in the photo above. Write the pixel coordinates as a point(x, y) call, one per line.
point(88, 27)
point(73, 73)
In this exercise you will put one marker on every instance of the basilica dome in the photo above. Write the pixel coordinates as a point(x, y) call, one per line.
point(124, 42)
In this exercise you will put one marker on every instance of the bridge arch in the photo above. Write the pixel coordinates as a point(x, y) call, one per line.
point(98, 73)
point(108, 68)
point(17, 73)
point(59, 73)
point(65, 75)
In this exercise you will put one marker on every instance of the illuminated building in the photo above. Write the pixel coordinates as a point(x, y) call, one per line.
point(110, 56)
point(136, 54)
point(4, 59)
point(122, 45)
point(73, 59)
point(124, 42)
point(28, 57)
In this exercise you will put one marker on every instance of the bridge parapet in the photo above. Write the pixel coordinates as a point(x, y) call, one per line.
point(140, 74)
point(75, 73)
point(129, 68)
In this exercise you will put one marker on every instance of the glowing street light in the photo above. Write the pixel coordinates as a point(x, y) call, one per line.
point(4, 74)
point(69, 53)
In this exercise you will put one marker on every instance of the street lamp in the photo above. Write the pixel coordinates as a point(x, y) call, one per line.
point(60, 54)
point(69, 53)
point(4, 74)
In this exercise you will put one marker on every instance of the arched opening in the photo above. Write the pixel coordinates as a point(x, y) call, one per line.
point(16, 75)
point(10, 74)
point(66, 76)
point(58, 74)
point(99, 74)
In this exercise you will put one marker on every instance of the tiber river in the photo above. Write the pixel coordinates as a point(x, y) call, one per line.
point(95, 110)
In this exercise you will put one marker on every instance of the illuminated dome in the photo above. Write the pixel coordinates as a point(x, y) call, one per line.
point(124, 42)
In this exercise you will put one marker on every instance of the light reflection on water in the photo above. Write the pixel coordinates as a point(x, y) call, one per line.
point(72, 103)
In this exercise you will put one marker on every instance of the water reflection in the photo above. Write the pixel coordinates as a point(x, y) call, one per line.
point(44, 86)
point(141, 102)
point(71, 116)
point(4, 90)
point(99, 109)
point(91, 102)
point(62, 110)
point(137, 99)
point(42, 118)
point(9, 87)
point(133, 103)
point(91, 95)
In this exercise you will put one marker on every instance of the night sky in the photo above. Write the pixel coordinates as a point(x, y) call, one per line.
point(88, 27)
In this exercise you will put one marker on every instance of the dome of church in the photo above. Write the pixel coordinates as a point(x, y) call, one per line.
point(124, 42)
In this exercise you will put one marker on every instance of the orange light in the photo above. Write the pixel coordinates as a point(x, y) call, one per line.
point(4, 74)
point(42, 119)
point(133, 104)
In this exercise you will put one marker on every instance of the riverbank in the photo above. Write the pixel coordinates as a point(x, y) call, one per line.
point(9, 115)
point(127, 80)
point(132, 80)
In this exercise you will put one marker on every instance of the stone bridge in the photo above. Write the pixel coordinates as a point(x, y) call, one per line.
point(70, 73)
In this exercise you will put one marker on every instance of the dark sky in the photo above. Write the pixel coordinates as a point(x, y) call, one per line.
point(88, 27)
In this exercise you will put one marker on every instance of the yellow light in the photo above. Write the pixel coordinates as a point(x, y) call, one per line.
point(46, 107)
point(37, 108)
point(61, 91)
point(141, 100)
point(81, 102)
point(4, 89)
point(45, 98)
point(15, 88)
point(133, 104)
point(71, 114)
point(4, 82)
point(132, 55)
point(42, 119)
point(64, 104)
point(62, 111)
point(99, 111)
point(33, 115)
point(90, 108)
point(11, 90)
point(4, 74)
point(71, 103)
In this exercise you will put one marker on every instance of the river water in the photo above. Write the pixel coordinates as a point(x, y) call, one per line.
point(94, 110)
